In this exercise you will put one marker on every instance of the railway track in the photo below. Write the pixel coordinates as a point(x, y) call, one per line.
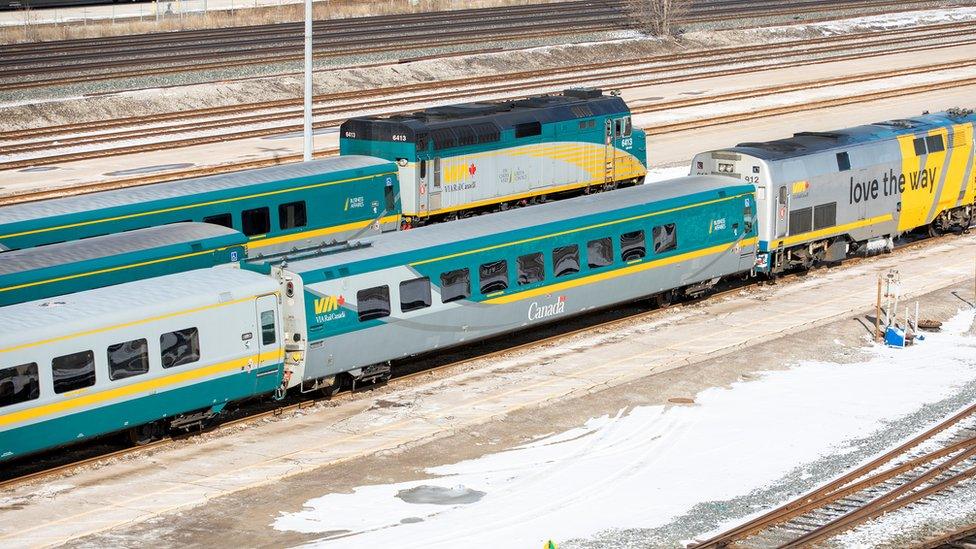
point(917, 471)
point(25, 66)
point(265, 118)
point(504, 347)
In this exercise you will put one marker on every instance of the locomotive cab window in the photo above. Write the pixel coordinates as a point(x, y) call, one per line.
point(268, 332)
point(843, 161)
point(632, 246)
point(389, 194)
point(455, 285)
point(531, 268)
point(665, 238)
point(919, 144)
point(73, 372)
point(599, 253)
point(256, 221)
point(565, 260)
point(179, 347)
point(292, 215)
point(373, 303)
point(19, 384)
point(934, 143)
point(628, 127)
point(128, 359)
point(224, 220)
point(414, 294)
point(494, 276)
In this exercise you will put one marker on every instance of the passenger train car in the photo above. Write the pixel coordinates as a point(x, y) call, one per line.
point(277, 208)
point(450, 284)
point(172, 351)
point(143, 356)
point(470, 158)
point(824, 195)
point(57, 269)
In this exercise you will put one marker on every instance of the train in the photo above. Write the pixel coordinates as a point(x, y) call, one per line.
point(529, 150)
point(171, 352)
point(822, 196)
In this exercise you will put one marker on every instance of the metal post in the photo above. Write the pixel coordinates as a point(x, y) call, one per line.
point(307, 152)
point(877, 314)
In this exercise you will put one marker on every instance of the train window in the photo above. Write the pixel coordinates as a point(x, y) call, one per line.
point(599, 253)
point(455, 285)
point(268, 332)
point(632, 246)
point(665, 238)
point(628, 127)
point(824, 215)
point(565, 260)
point(782, 195)
point(423, 169)
point(617, 127)
point(935, 143)
point(224, 220)
point(373, 303)
point(292, 215)
point(843, 161)
point(494, 276)
point(919, 144)
point(531, 268)
point(256, 221)
point(389, 195)
point(179, 347)
point(74, 371)
point(528, 129)
point(414, 294)
point(19, 384)
point(128, 359)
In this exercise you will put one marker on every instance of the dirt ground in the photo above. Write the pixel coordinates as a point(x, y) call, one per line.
point(244, 519)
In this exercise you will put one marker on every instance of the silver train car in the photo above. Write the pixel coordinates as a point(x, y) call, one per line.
point(824, 195)
point(142, 357)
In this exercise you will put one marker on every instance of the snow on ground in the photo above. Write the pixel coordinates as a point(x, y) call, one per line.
point(642, 467)
point(661, 174)
point(884, 22)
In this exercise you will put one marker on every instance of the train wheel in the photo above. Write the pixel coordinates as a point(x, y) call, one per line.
point(144, 434)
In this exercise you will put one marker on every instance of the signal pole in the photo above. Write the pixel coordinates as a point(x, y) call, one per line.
point(307, 145)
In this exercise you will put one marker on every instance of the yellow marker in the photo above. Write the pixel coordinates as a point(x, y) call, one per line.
point(550, 545)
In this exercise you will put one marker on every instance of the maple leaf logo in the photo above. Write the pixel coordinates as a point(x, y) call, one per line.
point(472, 169)
point(341, 301)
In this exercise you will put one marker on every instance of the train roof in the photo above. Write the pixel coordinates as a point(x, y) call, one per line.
point(36, 320)
point(483, 121)
point(671, 193)
point(805, 143)
point(78, 251)
point(188, 187)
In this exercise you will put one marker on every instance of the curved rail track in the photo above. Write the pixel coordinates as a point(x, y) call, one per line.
point(417, 367)
point(917, 471)
point(267, 118)
point(76, 61)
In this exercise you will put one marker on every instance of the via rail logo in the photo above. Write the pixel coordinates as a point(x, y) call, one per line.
point(542, 311)
point(329, 308)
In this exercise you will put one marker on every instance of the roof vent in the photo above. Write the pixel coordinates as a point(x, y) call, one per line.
point(957, 112)
point(823, 135)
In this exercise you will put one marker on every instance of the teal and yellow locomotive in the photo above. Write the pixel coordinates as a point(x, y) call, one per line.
point(460, 160)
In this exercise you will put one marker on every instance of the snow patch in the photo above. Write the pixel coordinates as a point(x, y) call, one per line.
point(643, 467)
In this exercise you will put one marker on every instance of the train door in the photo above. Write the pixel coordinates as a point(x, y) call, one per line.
point(782, 211)
point(435, 188)
point(268, 344)
point(608, 153)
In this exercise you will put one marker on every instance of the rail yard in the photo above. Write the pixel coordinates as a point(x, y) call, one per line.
point(553, 276)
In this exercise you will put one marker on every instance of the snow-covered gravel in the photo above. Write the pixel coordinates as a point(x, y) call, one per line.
point(655, 475)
